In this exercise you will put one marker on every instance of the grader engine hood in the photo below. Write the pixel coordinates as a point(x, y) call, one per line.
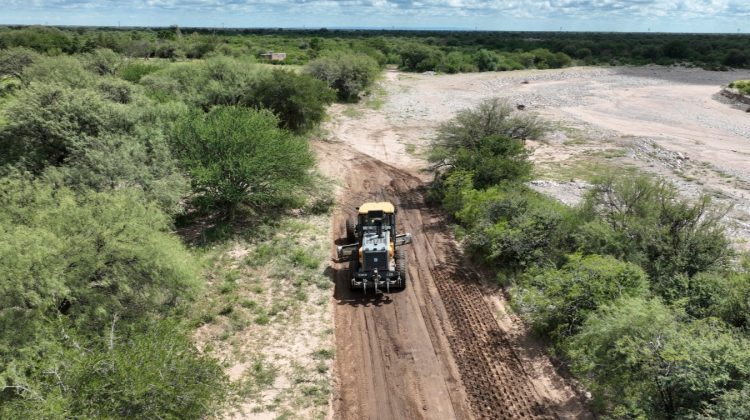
point(375, 250)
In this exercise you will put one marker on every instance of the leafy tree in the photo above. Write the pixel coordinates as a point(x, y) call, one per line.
point(348, 74)
point(419, 57)
point(721, 295)
point(496, 159)
point(63, 70)
point(133, 71)
point(216, 81)
point(156, 371)
point(487, 140)
point(486, 60)
point(80, 139)
point(644, 221)
point(733, 404)
point(736, 58)
point(511, 227)
point(676, 49)
point(456, 62)
point(641, 361)
point(300, 101)
point(558, 301)
point(89, 256)
point(14, 61)
point(117, 90)
point(237, 155)
point(103, 61)
point(139, 370)
point(47, 119)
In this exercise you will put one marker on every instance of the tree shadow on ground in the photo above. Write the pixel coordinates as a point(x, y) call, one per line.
point(205, 228)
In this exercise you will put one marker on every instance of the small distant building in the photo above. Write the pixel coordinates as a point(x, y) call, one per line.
point(273, 56)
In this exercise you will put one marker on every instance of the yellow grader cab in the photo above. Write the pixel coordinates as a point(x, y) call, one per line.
point(374, 249)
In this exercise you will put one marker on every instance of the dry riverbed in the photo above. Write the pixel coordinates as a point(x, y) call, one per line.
point(668, 121)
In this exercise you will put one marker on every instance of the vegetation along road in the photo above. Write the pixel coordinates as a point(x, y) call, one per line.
point(171, 199)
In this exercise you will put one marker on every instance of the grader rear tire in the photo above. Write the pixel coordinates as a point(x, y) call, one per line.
point(402, 268)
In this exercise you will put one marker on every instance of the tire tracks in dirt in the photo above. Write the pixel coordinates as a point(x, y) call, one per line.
point(434, 350)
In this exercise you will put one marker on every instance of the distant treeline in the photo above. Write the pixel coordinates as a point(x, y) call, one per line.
point(445, 51)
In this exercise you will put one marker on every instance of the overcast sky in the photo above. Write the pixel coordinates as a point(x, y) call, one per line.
point(570, 15)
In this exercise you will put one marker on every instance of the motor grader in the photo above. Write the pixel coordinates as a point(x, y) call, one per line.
point(373, 249)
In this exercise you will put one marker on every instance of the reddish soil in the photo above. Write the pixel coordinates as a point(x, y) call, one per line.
point(434, 350)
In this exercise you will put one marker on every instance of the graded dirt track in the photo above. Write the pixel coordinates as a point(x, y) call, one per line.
point(433, 350)
point(447, 346)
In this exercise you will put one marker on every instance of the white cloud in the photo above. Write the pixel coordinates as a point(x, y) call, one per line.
point(405, 12)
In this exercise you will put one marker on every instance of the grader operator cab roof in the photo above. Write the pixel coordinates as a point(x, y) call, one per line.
point(383, 206)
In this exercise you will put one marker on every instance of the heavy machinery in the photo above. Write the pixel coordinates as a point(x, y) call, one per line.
point(373, 249)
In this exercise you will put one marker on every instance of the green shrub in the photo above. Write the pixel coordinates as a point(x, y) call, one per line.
point(63, 70)
point(640, 360)
point(558, 301)
point(733, 404)
point(237, 155)
point(486, 60)
point(116, 90)
point(158, 372)
point(456, 62)
point(487, 141)
point(47, 120)
point(215, 81)
point(81, 139)
point(300, 101)
point(88, 256)
point(14, 61)
point(103, 61)
point(645, 221)
point(419, 57)
point(721, 295)
point(134, 71)
point(154, 371)
point(742, 85)
point(513, 228)
point(348, 74)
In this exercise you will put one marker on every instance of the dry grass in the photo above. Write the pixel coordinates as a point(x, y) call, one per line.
point(265, 312)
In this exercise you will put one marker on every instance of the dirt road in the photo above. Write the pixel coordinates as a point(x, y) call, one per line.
point(448, 347)
point(434, 350)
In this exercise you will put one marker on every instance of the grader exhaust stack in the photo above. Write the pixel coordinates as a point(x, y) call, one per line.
point(374, 249)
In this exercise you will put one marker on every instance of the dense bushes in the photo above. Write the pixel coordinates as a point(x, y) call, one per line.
point(83, 138)
point(216, 81)
point(348, 74)
point(643, 359)
point(238, 155)
point(487, 141)
point(742, 85)
point(411, 50)
point(101, 253)
point(14, 61)
point(558, 301)
point(299, 101)
point(644, 221)
point(638, 288)
point(95, 151)
point(147, 370)
point(74, 268)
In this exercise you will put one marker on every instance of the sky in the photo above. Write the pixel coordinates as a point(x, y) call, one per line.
point(531, 15)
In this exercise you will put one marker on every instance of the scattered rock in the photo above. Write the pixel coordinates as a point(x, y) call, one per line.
point(520, 107)
point(568, 192)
